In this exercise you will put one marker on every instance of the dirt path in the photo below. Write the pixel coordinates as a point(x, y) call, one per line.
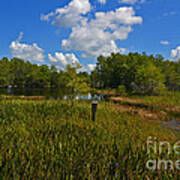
point(142, 113)
point(138, 107)
point(127, 100)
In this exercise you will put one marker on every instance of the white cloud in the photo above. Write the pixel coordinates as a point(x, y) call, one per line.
point(31, 53)
point(164, 42)
point(70, 15)
point(20, 36)
point(93, 36)
point(123, 50)
point(102, 1)
point(175, 54)
point(47, 17)
point(61, 60)
point(91, 67)
point(98, 35)
point(88, 68)
point(131, 1)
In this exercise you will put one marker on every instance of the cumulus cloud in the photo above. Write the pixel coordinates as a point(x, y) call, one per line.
point(164, 42)
point(70, 15)
point(131, 1)
point(91, 67)
point(31, 53)
point(98, 36)
point(102, 1)
point(88, 68)
point(175, 54)
point(123, 50)
point(61, 60)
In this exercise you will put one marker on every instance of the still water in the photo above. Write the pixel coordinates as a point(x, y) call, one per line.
point(49, 93)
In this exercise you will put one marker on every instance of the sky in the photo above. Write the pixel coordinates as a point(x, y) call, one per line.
point(61, 32)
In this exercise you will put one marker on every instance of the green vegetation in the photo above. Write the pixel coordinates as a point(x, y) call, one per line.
point(77, 84)
point(50, 140)
point(42, 139)
point(122, 90)
point(20, 74)
point(140, 74)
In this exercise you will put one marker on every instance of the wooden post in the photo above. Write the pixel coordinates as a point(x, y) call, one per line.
point(94, 109)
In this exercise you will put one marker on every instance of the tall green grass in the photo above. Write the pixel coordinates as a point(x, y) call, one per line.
point(51, 140)
point(170, 99)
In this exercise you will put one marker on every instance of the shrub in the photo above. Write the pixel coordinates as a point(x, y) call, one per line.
point(122, 90)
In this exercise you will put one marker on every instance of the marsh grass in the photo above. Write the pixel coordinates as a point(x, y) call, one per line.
point(51, 140)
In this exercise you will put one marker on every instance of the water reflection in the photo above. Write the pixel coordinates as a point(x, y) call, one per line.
point(9, 90)
point(49, 93)
point(90, 96)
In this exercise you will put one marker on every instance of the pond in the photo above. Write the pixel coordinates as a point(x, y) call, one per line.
point(49, 93)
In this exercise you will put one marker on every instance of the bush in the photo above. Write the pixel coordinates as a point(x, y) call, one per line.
point(122, 90)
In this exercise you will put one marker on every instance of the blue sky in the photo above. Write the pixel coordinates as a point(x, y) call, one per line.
point(59, 32)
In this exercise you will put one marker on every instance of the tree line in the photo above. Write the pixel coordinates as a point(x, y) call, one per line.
point(20, 74)
point(134, 73)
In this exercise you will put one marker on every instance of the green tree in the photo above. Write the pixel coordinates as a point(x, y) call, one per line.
point(4, 72)
point(149, 79)
point(76, 83)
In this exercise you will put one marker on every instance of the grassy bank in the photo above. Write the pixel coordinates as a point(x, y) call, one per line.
point(51, 140)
